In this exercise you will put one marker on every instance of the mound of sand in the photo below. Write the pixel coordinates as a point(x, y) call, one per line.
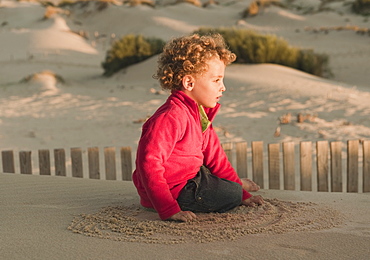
point(135, 224)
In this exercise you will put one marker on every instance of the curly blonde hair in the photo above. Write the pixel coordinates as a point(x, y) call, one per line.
point(188, 55)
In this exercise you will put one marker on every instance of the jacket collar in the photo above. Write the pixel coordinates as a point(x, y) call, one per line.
point(189, 102)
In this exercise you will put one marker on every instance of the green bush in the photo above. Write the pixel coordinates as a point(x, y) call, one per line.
point(251, 47)
point(130, 49)
point(361, 7)
point(310, 62)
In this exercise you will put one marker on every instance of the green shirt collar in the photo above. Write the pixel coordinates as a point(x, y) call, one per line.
point(204, 121)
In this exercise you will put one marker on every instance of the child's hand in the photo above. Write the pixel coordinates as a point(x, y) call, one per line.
point(183, 216)
point(253, 201)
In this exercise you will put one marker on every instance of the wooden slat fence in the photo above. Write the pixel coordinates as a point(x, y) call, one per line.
point(76, 162)
point(311, 167)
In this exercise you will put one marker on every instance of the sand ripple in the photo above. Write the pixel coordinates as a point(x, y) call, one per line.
point(135, 224)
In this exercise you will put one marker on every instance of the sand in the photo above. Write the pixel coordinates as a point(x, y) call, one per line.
point(36, 212)
point(134, 224)
point(53, 95)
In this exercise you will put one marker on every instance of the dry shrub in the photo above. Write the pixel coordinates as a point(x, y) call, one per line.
point(36, 76)
point(103, 4)
point(210, 2)
point(65, 3)
point(150, 3)
point(99, 4)
point(326, 30)
point(306, 117)
point(255, 7)
point(252, 9)
point(285, 119)
point(51, 10)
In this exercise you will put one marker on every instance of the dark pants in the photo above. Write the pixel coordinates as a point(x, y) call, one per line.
point(209, 193)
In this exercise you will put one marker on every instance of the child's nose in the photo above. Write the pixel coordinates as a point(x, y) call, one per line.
point(223, 88)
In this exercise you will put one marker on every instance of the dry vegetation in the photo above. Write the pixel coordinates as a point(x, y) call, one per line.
point(256, 6)
point(36, 76)
point(139, 2)
point(99, 5)
point(326, 29)
point(50, 11)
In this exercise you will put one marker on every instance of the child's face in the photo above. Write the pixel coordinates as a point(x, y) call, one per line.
point(207, 88)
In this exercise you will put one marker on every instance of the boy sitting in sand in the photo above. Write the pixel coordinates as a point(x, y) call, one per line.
point(181, 167)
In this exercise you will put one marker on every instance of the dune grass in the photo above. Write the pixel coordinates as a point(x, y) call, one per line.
point(249, 47)
point(252, 48)
point(130, 49)
point(255, 7)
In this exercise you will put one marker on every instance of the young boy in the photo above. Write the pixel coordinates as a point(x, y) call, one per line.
point(181, 167)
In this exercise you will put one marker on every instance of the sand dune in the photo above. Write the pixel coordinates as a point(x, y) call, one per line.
point(53, 95)
point(35, 44)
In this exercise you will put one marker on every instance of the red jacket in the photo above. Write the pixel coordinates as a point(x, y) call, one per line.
point(172, 149)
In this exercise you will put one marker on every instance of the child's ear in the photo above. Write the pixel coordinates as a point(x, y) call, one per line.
point(188, 82)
